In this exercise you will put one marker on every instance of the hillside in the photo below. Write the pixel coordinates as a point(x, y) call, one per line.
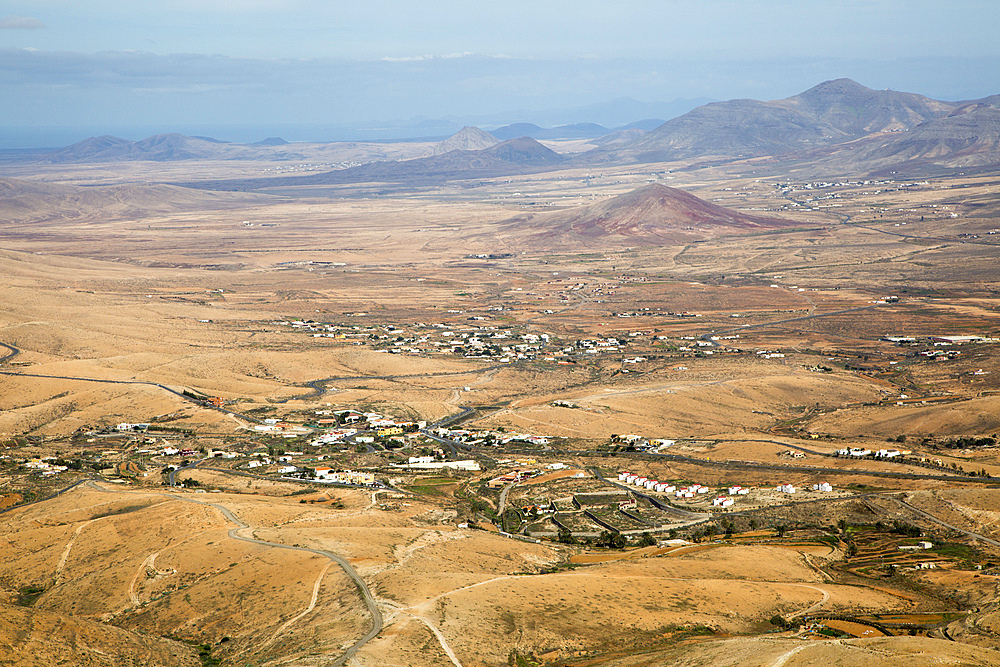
point(827, 117)
point(847, 107)
point(648, 215)
point(467, 139)
point(34, 637)
point(514, 156)
point(30, 201)
point(158, 148)
point(968, 137)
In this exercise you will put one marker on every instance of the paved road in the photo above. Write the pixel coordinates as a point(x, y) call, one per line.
point(173, 473)
point(164, 387)
point(502, 504)
point(318, 389)
point(931, 517)
point(683, 515)
point(48, 497)
point(11, 352)
point(377, 622)
point(708, 337)
point(754, 465)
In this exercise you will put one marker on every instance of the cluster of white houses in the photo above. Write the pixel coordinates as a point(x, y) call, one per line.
point(662, 487)
point(328, 474)
point(44, 468)
point(690, 491)
point(490, 437)
point(467, 340)
point(643, 444)
point(861, 452)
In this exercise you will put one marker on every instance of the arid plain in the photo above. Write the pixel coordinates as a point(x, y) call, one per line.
point(611, 334)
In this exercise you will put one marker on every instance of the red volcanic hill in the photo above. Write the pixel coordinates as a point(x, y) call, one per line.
point(653, 214)
point(655, 209)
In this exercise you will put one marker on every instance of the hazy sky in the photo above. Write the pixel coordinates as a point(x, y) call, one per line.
point(185, 64)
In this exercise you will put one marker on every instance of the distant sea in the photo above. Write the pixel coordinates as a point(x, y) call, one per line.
point(58, 137)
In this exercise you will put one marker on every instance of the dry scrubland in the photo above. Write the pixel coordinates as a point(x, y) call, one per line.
point(166, 567)
point(109, 295)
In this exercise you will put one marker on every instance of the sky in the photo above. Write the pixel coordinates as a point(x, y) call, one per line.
point(328, 69)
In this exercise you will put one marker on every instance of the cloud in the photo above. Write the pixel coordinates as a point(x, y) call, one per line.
point(11, 22)
point(406, 59)
point(132, 87)
point(443, 56)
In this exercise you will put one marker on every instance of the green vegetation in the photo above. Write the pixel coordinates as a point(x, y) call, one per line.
point(206, 657)
point(780, 621)
point(565, 536)
point(970, 441)
point(612, 540)
point(511, 520)
point(431, 486)
point(28, 595)
point(960, 551)
point(830, 632)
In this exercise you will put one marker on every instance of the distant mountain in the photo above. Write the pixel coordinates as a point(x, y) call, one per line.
point(656, 208)
point(29, 201)
point(575, 131)
point(830, 113)
point(653, 213)
point(969, 137)
point(613, 113)
point(270, 141)
point(620, 137)
point(848, 108)
point(514, 156)
point(517, 130)
point(646, 124)
point(467, 139)
point(524, 151)
point(158, 148)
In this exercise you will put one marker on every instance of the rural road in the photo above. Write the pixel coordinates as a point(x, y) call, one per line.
point(11, 352)
point(234, 533)
point(173, 473)
point(669, 509)
point(708, 337)
point(344, 565)
point(931, 517)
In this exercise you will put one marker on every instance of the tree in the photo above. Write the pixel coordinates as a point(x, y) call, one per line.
point(781, 530)
point(647, 540)
point(565, 536)
point(612, 540)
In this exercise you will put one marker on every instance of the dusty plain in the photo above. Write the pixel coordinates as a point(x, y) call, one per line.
point(738, 359)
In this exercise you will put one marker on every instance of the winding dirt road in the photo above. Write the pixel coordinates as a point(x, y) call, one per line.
point(234, 534)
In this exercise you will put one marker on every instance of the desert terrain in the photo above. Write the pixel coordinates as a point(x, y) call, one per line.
point(502, 403)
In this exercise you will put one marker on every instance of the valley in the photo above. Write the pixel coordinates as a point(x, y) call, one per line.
point(567, 401)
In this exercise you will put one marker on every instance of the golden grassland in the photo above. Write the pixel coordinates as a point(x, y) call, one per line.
point(166, 566)
point(106, 301)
